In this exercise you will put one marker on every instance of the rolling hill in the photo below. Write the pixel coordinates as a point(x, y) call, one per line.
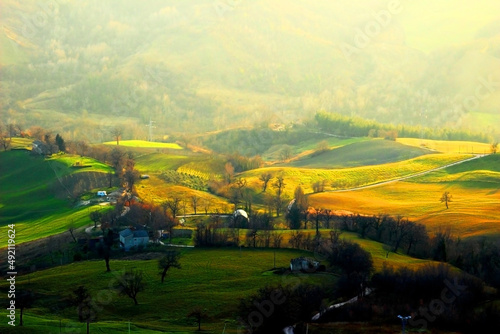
point(195, 67)
point(473, 211)
point(373, 152)
point(28, 193)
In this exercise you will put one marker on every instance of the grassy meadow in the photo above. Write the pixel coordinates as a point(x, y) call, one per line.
point(368, 152)
point(27, 199)
point(214, 279)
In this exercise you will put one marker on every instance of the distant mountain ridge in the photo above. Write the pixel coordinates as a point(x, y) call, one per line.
point(84, 67)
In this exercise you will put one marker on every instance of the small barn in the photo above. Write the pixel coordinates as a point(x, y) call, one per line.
point(133, 238)
point(304, 264)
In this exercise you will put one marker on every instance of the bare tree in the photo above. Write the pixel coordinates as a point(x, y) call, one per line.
point(95, 216)
point(402, 228)
point(117, 133)
point(446, 198)
point(265, 178)
point(11, 130)
point(130, 284)
point(82, 147)
point(198, 314)
point(4, 142)
point(130, 177)
point(206, 205)
point(24, 300)
point(117, 159)
point(229, 172)
point(279, 185)
point(170, 260)
point(174, 205)
point(494, 147)
point(194, 203)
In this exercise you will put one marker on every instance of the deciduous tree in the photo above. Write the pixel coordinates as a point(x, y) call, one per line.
point(170, 260)
point(446, 198)
point(130, 283)
point(265, 178)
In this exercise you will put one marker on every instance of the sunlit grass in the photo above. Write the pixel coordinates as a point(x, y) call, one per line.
point(472, 212)
point(447, 146)
point(351, 177)
point(144, 144)
point(214, 279)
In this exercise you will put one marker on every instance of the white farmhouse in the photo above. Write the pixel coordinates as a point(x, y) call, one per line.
point(133, 238)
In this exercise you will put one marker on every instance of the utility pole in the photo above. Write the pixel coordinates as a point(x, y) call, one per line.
point(404, 320)
point(150, 126)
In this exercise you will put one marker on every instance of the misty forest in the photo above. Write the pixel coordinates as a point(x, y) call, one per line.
point(233, 166)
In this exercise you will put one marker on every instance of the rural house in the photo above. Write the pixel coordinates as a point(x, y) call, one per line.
point(40, 147)
point(304, 264)
point(133, 238)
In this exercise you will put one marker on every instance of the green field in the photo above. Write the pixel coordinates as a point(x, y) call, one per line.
point(26, 198)
point(210, 278)
point(144, 144)
point(372, 152)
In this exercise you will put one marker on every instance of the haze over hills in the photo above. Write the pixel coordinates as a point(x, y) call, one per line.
point(83, 67)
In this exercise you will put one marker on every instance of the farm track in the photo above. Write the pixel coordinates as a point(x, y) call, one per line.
point(378, 184)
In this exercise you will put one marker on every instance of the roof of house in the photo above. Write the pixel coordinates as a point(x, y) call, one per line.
point(239, 213)
point(136, 233)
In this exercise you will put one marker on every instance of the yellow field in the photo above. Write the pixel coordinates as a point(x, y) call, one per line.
point(145, 144)
point(351, 177)
point(472, 212)
point(21, 143)
point(468, 147)
point(155, 190)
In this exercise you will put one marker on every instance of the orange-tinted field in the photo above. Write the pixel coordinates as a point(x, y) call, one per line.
point(472, 212)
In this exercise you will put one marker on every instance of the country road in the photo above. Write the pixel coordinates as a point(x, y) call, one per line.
point(406, 177)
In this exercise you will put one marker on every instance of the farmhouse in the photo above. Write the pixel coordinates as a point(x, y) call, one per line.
point(240, 218)
point(133, 238)
point(40, 147)
point(101, 193)
point(304, 264)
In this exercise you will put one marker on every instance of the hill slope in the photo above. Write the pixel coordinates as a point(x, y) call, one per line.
point(195, 66)
point(28, 194)
point(373, 152)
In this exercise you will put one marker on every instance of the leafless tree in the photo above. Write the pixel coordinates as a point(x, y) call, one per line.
point(265, 178)
point(130, 284)
point(198, 314)
point(194, 202)
point(170, 260)
point(117, 133)
point(446, 198)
